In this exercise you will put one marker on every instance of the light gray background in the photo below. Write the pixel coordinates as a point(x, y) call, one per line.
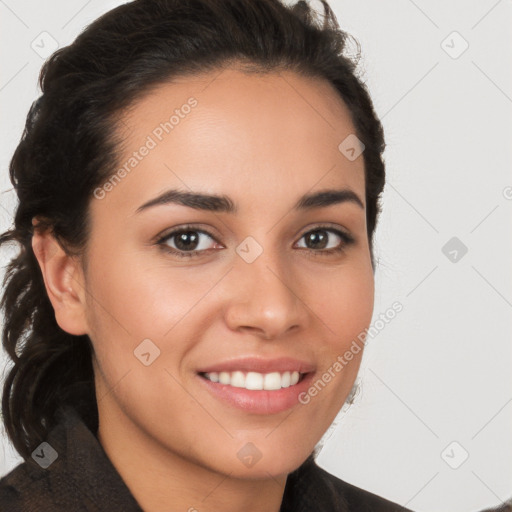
point(441, 370)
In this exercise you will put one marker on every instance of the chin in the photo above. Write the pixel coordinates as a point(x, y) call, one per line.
point(273, 464)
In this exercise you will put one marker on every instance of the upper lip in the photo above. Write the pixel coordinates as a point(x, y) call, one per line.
point(253, 364)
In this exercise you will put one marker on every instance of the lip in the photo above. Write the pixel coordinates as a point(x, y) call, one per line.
point(258, 401)
point(260, 365)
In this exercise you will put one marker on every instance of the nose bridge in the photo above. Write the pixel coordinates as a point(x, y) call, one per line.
point(264, 297)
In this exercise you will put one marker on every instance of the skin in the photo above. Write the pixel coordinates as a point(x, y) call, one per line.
point(263, 140)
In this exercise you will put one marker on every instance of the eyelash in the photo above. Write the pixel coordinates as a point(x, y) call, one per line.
point(346, 238)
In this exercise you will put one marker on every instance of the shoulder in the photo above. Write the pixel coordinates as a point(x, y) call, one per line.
point(504, 507)
point(9, 495)
point(69, 472)
point(313, 488)
point(43, 482)
point(347, 497)
point(18, 485)
point(35, 485)
point(359, 499)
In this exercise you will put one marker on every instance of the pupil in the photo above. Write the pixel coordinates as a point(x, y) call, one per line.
point(316, 236)
point(182, 240)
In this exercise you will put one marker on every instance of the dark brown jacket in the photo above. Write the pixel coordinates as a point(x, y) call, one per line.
point(82, 479)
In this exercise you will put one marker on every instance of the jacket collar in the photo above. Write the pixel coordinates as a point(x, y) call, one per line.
point(87, 468)
point(95, 481)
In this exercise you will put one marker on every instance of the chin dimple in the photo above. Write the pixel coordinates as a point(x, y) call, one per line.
point(254, 380)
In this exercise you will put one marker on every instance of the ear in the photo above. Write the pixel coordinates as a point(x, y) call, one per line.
point(64, 282)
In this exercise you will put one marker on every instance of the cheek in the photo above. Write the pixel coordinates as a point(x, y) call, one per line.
point(141, 301)
point(348, 305)
point(344, 305)
point(132, 299)
point(348, 310)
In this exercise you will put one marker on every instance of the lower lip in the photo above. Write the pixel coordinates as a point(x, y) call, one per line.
point(258, 401)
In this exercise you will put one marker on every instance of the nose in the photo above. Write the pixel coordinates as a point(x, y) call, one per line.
point(264, 300)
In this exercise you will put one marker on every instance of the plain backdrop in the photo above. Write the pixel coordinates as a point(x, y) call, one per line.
point(432, 425)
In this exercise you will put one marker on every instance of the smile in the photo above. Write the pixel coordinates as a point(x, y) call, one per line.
point(255, 380)
point(250, 391)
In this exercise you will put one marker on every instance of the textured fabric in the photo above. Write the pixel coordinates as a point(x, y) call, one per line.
point(82, 479)
point(504, 507)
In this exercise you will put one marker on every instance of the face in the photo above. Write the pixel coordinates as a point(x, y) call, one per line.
point(252, 284)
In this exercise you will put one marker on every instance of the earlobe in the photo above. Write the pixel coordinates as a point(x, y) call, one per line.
point(63, 280)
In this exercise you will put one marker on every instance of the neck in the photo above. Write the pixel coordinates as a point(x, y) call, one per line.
point(160, 479)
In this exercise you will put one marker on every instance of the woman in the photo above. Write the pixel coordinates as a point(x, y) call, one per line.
point(198, 191)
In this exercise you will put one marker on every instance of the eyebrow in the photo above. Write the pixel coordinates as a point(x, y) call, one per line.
point(224, 204)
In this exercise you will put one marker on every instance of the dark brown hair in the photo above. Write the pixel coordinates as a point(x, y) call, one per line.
point(67, 149)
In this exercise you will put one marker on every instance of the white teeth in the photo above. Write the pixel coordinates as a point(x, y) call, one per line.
point(272, 381)
point(224, 378)
point(255, 380)
point(237, 379)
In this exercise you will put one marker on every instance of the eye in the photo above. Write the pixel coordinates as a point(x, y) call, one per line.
point(191, 242)
point(321, 236)
point(187, 242)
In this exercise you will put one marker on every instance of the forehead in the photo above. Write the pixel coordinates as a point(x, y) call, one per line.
point(265, 135)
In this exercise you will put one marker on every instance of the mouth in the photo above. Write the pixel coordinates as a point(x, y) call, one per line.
point(254, 392)
point(255, 381)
